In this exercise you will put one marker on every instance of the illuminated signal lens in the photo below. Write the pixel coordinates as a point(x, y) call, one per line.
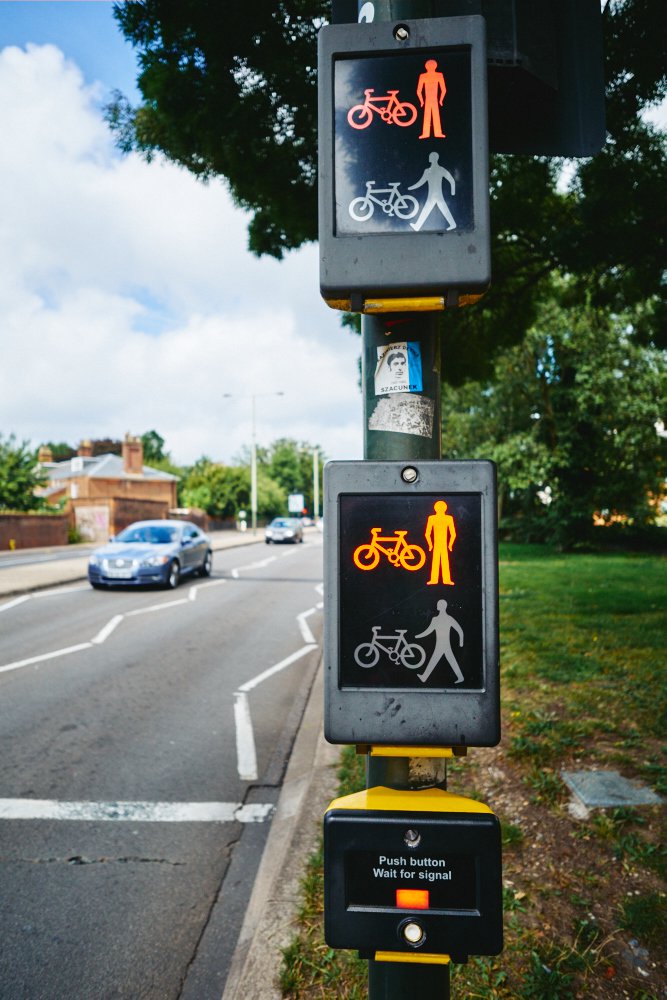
point(412, 899)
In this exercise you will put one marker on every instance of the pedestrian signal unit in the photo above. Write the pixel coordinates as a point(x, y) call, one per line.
point(403, 173)
point(412, 876)
point(411, 604)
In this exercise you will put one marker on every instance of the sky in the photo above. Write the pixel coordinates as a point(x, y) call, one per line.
point(128, 299)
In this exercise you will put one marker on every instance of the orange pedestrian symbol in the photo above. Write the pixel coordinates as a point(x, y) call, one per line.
point(440, 537)
point(431, 90)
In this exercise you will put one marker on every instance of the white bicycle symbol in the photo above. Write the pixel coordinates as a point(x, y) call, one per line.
point(402, 205)
point(399, 650)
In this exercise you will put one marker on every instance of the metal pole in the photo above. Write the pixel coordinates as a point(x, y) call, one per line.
point(253, 473)
point(316, 485)
point(402, 428)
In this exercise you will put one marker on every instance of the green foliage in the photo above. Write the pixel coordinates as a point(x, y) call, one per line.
point(590, 628)
point(60, 450)
point(153, 448)
point(223, 490)
point(569, 417)
point(645, 916)
point(290, 464)
point(232, 92)
point(20, 476)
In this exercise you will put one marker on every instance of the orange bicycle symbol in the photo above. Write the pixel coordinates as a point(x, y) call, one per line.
point(387, 106)
point(394, 547)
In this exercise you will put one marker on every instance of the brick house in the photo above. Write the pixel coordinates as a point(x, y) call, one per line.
point(105, 493)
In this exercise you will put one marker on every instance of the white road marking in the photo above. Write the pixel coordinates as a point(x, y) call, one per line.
point(136, 812)
point(306, 634)
point(156, 607)
point(44, 656)
point(276, 668)
point(56, 591)
point(14, 603)
point(192, 593)
point(245, 739)
point(105, 632)
point(246, 755)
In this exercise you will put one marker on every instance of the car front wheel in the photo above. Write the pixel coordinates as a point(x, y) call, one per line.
point(174, 575)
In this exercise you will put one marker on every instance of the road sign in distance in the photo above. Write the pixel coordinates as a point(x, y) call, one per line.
point(403, 173)
point(411, 604)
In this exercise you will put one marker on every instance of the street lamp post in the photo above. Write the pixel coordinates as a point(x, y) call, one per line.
point(253, 449)
point(316, 485)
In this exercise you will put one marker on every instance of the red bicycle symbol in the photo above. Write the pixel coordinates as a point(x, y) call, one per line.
point(387, 106)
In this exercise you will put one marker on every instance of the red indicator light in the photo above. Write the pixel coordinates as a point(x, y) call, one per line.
point(412, 899)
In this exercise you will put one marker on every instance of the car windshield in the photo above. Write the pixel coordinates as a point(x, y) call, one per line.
point(282, 522)
point(148, 533)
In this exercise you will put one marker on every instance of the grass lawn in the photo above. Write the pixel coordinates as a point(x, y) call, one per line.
point(583, 652)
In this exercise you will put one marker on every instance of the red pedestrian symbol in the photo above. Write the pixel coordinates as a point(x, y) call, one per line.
point(431, 90)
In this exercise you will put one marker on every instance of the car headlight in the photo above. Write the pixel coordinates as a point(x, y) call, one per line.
point(289, 533)
point(94, 561)
point(154, 561)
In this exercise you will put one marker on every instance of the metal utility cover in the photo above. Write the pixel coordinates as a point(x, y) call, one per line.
point(411, 604)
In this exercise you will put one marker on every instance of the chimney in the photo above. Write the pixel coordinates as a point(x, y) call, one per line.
point(133, 456)
point(85, 449)
point(44, 455)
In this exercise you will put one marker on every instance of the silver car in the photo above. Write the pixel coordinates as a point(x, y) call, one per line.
point(151, 552)
point(284, 529)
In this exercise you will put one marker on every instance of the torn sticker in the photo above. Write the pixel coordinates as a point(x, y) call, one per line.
point(403, 414)
point(399, 368)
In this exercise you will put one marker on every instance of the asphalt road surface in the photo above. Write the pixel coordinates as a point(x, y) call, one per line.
point(143, 740)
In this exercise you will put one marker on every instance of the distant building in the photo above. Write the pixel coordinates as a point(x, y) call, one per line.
point(105, 493)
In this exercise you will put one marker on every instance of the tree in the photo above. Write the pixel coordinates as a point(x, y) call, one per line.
point(231, 92)
point(222, 491)
point(20, 476)
point(570, 417)
point(153, 444)
point(290, 464)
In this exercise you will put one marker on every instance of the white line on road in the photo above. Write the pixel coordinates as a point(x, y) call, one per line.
point(192, 593)
point(306, 634)
point(105, 632)
point(276, 668)
point(44, 656)
point(14, 603)
point(136, 812)
point(57, 591)
point(156, 607)
point(246, 755)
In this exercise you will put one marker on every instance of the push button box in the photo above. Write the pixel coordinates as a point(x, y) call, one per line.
point(412, 876)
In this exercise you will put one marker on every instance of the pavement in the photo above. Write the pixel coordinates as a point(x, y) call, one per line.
point(310, 783)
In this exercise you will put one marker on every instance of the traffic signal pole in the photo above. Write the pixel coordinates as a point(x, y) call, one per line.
point(398, 981)
point(388, 440)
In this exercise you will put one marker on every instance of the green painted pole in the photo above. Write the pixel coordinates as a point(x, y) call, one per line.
point(402, 426)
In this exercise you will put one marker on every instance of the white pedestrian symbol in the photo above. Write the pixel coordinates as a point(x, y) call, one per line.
point(434, 176)
point(442, 625)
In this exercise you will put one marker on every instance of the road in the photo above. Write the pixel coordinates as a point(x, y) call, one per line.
point(143, 739)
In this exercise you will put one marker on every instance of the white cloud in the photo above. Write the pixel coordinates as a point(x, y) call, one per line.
point(128, 300)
